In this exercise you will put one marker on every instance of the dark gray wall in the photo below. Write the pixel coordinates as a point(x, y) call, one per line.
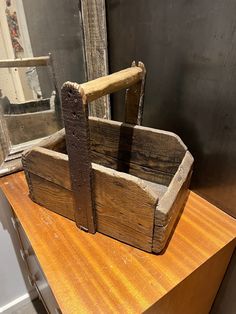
point(189, 49)
point(54, 26)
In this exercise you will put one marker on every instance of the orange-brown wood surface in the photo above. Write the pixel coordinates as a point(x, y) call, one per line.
point(94, 273)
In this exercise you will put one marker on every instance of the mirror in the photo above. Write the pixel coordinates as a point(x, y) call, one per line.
point(29, 80)
point(27, 114)
point(75, 35)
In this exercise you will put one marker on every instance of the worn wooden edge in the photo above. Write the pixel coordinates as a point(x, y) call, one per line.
point(131, 224)
point(141, 128)
point(75, 116)
point(51, 156)
point(164, 208)
point(141, 99)
point(59, 136)
point(101, 156)
point(139, 182)
point(134, 98)
point(40, 174)
point(162, 234)
point(112, 83)
point(54, 141)
point(27, 174)
point(50, 195)
point(25, 62)
point(171, 204)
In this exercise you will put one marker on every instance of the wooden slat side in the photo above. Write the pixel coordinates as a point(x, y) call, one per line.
point(134, 169)
point(42, 162)
point(124, 207)
point(152, 154)
point(51, 196)
point(171, 204)
point(48, 164)
point(153, 149)
point(124, 204)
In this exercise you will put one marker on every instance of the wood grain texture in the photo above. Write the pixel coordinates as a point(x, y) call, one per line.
point(197, 292)
point(95, 48)
point(25, 62)
point(28, 126)
point(112, 83)
point(134, 158)
point(124, 279)
point(75, 116)
point(169, 207)
point(131, 223)
point(119, 147)
point(51, 196)
point(153, 155)
point(134, 99)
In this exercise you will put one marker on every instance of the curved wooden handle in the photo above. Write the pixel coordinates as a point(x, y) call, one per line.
point(112, 83)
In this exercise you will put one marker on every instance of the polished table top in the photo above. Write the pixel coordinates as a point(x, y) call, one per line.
point(100, 274)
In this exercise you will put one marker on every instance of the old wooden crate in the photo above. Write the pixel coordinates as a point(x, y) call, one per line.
point(126, 181)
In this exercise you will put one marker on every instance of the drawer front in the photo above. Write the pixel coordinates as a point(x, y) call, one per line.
point(36, 276)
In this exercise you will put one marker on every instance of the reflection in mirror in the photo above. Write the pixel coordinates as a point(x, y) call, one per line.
point(29, 94)
point(28, 111)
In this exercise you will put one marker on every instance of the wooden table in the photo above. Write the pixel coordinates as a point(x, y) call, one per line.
point(96, 274)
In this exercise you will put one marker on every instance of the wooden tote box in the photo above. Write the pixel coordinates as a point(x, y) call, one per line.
point(121, 179)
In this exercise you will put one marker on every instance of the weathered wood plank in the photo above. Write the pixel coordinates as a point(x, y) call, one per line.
point(124, 204)
point(112, 83)
point(134, 99)
point(124, 207)
point(154, 154)
point(28, 126)
point(25, 62)
point(41, 161)
point(169, 206)
point(95, 43)
point(142, 172)
point(75, 115)
point(50, 165)
point(51, 195)
point(153, 151)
